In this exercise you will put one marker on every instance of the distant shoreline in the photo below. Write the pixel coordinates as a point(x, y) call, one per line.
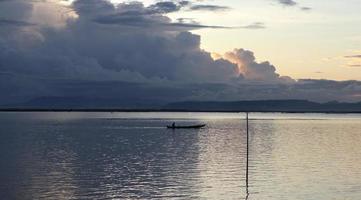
point(265, 106)
point(170, 110)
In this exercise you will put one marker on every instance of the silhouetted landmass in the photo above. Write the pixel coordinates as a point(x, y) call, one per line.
point(267, 106)
point(85, 103)
point(102, 104)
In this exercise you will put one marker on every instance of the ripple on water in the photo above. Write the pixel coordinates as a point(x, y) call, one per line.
point(93, 158)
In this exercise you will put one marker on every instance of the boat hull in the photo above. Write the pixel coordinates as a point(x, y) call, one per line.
point(187, 127)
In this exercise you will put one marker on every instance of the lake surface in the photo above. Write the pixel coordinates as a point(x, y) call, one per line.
point(132, 156)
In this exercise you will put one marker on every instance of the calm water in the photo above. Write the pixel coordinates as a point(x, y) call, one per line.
point(132, 156)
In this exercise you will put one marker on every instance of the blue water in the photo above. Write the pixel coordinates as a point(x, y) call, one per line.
point(133, 156)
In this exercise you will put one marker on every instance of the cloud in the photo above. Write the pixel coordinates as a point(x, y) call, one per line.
point(336, 90)
point(353, 56)
point(15, 10)
point(306, 8)
point(353, 60)
point(164, 7)
point(287, 2)
point(87, 50)
point(256, 25)
point(292, 3)
point(136, 54)
point(252, 70)
point(209, 8)
point(7, 22)
point(135, 14)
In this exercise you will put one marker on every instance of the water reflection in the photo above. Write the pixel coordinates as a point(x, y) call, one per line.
point(40, 167)
point(221, 161)
point(307, 160)
point(98, 158)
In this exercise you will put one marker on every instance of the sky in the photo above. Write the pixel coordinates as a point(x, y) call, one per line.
point(155, 52)
point(308, 43)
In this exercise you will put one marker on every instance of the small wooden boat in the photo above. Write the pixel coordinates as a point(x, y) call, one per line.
point(187, 127)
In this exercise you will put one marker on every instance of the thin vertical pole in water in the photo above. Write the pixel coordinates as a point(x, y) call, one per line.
point(247, 156)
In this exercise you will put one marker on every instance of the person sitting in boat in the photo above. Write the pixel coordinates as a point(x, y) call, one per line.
point(173, 124)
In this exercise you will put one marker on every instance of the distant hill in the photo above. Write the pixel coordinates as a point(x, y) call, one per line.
point(83, 103)
point(266, 106)
point(110, 104)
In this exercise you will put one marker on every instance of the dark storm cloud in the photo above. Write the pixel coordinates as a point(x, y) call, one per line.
point(165, 7)
point(143, 21)
point(133, 58)
point(7, 22)
point(131, 94)
point(15, 10)
point(134, 8)
point(136, 15)
point(84, 50)
point(330, 90)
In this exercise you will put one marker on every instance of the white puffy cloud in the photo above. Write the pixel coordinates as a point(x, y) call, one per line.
point(252, 70)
